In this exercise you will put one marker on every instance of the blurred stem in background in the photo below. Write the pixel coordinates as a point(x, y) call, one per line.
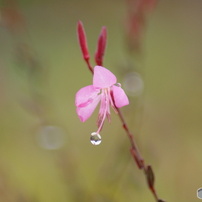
point(50, 136)
point(137, 17)
point(27, 65)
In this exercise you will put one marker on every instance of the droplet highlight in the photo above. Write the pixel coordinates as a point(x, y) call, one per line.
point(95, 138)
point(199, 193)
point(118, 84)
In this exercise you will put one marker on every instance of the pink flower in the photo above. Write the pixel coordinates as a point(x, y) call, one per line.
point(104, 90)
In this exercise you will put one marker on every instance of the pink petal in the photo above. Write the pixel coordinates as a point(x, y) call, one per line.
point(120, 98)
point(103, 78)
point(84, 113)
point(86, 101)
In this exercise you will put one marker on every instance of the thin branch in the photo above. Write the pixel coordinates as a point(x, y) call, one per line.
point(138, 158)
point(134, 149)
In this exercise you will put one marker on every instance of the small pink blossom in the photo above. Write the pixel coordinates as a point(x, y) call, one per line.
point(104, 90)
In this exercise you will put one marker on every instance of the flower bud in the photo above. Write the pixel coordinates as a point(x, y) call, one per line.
point(101, 44)
point(82, 40)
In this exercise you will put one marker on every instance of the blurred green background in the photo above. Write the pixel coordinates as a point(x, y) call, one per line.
point(45, 152)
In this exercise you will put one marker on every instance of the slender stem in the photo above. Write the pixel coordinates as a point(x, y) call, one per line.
point(89, 65)
point(134, 149)
point(136, 154)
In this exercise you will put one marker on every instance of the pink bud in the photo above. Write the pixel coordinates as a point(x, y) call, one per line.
point(82, 40)
point(101, 44)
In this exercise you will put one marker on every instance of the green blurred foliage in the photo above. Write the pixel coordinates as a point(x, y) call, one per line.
point(41, 69)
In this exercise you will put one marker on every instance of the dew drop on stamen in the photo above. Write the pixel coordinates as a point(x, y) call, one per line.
point(95, 138)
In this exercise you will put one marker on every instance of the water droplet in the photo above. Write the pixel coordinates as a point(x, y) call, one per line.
point(95, 138)
point(118, 84)
point(199, 193)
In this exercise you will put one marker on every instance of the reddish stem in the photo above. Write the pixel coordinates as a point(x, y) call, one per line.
point(134, 149)
point(138, 158)
point(89, 66)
